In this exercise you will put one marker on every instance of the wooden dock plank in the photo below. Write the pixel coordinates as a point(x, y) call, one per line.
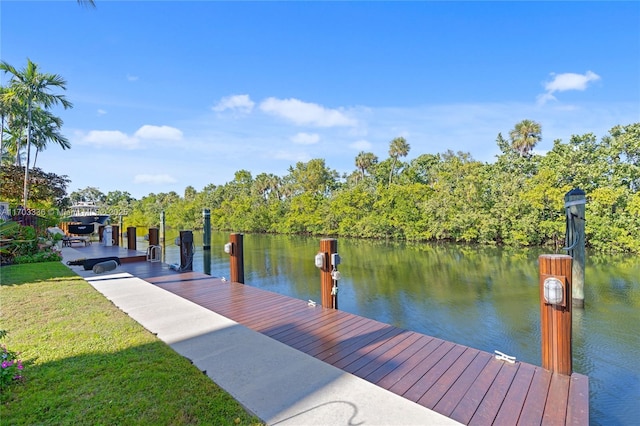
point(404, 384)
point(536, 398)
point(578, 404)
point(420, 387)
point(397, 362)
point(457, 391)
point(370, 361)
point(373, 340)
point(465, 384)
point(471, 400)
point(340, 332)
point(390, 358)
point(514, 400)
point(446, 380)
point(345, 348)
point(491, 403)
point(393, 377)
point(556, 406)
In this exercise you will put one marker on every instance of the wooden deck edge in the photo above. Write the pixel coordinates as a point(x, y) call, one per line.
point(131, 259)
point(578, 404)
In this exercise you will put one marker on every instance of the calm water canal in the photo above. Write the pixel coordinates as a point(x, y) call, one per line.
point(485, 298)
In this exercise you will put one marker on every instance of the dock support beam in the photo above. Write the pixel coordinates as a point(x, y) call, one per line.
point(206, 227)
point(574, 204)
point(131, 238)
point(555, 312)
point(328, 246)
point(236, 258)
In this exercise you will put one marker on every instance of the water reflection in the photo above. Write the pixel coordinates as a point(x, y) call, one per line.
point(486, 298)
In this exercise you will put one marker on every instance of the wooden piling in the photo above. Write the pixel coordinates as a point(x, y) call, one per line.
point(555, 320)
point(115, 232)
point(206, 227)
point(154, 237)
point(162, 234)
point(328, 246)
point(236, 261)
point(131, 238)
point(186, 251)
point(574, 203)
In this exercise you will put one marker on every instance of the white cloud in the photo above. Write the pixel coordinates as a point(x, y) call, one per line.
point(158, 132)
point(132, 77)
point(361, 145)
point(159, 178)
point(110, 138)
point(236, 103)
point(305, 138)
point(566, 81)
point(101, 112)
point(306, 113)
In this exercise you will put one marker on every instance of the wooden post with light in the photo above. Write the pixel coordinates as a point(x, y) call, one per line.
point(328, 288)
point(235, 250)
point(555, 312)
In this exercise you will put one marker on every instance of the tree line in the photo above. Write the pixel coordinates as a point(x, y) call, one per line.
point(516, 200)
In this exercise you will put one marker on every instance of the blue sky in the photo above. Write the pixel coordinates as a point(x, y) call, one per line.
point(174, 93)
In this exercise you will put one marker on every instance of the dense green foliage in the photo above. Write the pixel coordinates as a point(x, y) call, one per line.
point(516, 200)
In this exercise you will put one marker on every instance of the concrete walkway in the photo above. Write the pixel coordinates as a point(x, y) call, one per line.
point(280, 385)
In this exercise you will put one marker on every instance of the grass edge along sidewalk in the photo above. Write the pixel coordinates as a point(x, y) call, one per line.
point(92, 364)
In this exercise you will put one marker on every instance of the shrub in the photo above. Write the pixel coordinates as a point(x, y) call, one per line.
point(43, 256)
point(11, 366)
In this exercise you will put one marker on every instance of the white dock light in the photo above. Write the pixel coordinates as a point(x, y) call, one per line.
point(228, 248)
point(553, 291)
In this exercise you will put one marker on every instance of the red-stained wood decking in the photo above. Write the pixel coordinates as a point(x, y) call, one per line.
point(465, 384)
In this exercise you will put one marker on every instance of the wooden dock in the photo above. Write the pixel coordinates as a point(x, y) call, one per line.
point(462, 383)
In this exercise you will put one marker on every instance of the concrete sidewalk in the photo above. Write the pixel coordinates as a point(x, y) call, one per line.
point(277, 383)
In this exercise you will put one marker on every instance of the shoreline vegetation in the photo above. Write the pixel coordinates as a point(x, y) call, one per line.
point(516, 201)
point(87, 362)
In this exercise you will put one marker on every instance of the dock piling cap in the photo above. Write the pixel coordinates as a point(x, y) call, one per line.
point(575, 192)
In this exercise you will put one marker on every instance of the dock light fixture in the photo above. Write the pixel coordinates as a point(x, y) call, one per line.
point(553, 291)
point(228, 248)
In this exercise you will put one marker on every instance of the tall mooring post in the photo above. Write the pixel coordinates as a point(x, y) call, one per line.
point(206, 227)
point(574, 204)
point(162, 234)
point(131, 238)
point(186, 251)
point(555, 312)
point(235, 250)
point(327, 260)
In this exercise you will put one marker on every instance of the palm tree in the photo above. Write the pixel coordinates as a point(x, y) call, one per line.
point(9, 109)
point(364, 161)
point(524, 137)
point(32, 89)
point(398, 148)
point(46, 128)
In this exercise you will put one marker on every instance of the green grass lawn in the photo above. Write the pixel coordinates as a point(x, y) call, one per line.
point(94, 365)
